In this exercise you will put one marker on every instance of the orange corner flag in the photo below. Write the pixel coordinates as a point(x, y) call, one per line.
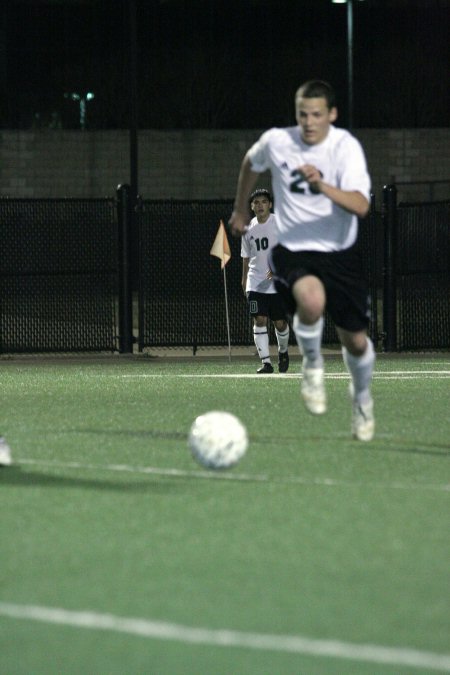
point(221, 247)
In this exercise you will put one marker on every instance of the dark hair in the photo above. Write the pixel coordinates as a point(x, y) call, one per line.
point(261, 192)
point(317, 89)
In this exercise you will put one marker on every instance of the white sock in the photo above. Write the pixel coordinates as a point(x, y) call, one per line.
point(361, 370)
point(282, 339)
point(309, 340)
point(261, 338)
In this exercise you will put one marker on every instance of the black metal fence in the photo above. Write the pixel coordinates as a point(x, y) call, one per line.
point(416, 297)
point(71, 268)
point(182, 288)
point(58, 275)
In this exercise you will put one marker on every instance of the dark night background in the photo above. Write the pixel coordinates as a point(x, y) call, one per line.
point(221, 63)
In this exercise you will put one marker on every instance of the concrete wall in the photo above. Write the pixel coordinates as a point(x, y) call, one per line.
point(199, 164)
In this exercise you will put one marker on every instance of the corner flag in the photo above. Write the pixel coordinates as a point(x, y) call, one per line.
point(221, 247)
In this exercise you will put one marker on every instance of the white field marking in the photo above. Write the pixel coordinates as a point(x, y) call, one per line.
point(383, 375)
point(434, 362)
point(297, 644)
point(231, 476)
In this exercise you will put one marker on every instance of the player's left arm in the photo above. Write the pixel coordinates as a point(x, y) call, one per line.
point(350, 200)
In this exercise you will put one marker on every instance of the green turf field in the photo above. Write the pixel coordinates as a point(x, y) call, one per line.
point(315, 554)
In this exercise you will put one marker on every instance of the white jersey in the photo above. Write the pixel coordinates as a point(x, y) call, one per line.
point(308, 221)
point(256, 243)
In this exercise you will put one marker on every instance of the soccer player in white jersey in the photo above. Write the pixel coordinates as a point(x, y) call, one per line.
point(321, 187)
point(257, 283)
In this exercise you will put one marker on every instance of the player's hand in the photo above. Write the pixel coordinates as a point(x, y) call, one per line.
point(313, 177)
point(237, 224)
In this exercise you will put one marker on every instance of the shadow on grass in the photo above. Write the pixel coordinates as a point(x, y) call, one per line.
point(378, 444)
point(136, 433)
point(19, 477)
point(409, 447)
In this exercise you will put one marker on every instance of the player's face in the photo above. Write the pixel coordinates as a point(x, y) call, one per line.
point(261, 208)
point(314, 118)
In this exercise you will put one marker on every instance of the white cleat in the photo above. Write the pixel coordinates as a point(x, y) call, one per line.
point(313, 390)
point(5, 453)
point(363, 421)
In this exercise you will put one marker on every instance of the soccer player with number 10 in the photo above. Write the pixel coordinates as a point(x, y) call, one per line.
point(257, 283)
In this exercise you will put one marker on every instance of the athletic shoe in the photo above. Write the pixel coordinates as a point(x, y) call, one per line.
point(313, 390)
point(265, 369)
point(283, 362)
point(5, 453)
point(363, 421)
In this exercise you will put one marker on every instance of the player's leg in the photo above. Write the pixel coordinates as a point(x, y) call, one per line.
point(348, 304)
point(359, 357)
point(261, 338)
point(281, 325)
point(260, 315)
point(282, 335)
point(304, 298)
point(309, 295)
point(5, 453)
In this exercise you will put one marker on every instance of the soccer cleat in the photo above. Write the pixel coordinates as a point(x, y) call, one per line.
point(313, 391)
point(363, 421)
point(5, 453)
point(265, 369)
point(283, 362)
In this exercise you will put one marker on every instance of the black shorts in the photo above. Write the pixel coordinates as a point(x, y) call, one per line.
point(347, 298)
point(266, 304)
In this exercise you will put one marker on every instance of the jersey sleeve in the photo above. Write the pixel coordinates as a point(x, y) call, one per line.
point(258, 153)
point(353, 173)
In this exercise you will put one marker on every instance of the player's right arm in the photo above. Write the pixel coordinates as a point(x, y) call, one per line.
point(246, 181)
point(245, 262)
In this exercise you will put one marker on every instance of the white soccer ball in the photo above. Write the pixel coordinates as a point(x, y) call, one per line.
point(218, 439)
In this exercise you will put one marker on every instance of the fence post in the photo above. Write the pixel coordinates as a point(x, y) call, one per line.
point(125, 291)
point(372, 280)
point(389, 216)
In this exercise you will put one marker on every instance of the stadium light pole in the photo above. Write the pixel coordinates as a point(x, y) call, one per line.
point(82, 101)
point(132, 18)
point(349, 4)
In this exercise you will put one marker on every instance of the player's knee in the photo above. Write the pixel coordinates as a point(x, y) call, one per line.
point(355, 343)
point(281, 325)
point(309, 294)
point(260, 321)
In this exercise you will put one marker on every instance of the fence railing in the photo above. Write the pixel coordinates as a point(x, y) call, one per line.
point(422, 190)
point(59, 277)
point(71, 269)
point(416, 287)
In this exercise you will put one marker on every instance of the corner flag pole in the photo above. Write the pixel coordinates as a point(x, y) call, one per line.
point(221, 249)
point(226, 312)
